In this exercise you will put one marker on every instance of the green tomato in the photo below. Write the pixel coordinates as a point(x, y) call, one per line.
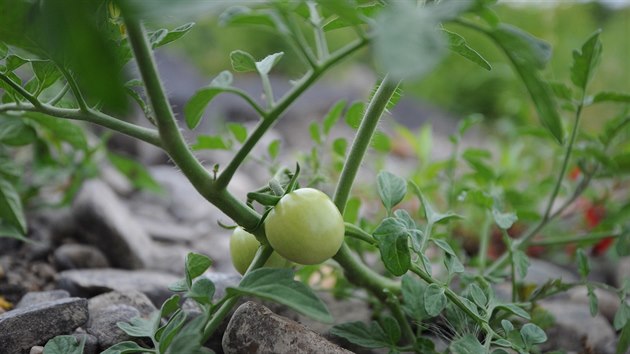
point(243, 247)
point(305, 227)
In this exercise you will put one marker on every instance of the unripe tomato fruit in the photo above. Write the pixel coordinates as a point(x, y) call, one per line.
point(305, 227)
point(243, 247)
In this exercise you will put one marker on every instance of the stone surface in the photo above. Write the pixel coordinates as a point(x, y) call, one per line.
point(255, 329)
point(541, 271)
point(170, 258)
point(23, 328)
point(169, 231)
point(38, 349)
point(92, 282)
point(102, 324)
point(608, 302)
point(623, 271)
point(575, 329)
point(77, 256)
point(106, 223)
point(91, 342)
point(132, 298)
point(37, 297)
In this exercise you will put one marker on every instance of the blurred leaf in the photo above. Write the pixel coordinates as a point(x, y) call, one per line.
point(504, 220)
point(15, 132)
point(478, 296)
point(407, 43)
point(242, 15)
point(533, 334)
point(278, 285)
point(264, 66)
point(11, 231)
point(624, 340)
point(467, 344)
point(354, 115)
point(126, 347)
point(391, 328)
point(339, 146)
point(391, 189)
point(528, 54)
point(592, 300)
point(60, 129)
point(380, 142)
point(242, 61)
point(434, 300)
point(622, 316)
point(238, 131)
point(274, 149)
point(561, 90)
point(351, 211)
point(46, 73)
point(194, 108)
point(584, 266)
point(316, 136)
point(172, 35)
point(512, 308)
point(607, 96)
point(359, 333)
point(431, 215)
point(333, 116)
point(365, 11)
point(135, 172)
point(453, 264)
point(457, 44)
point(11, 206)
point(521, 263)
point(585, 62)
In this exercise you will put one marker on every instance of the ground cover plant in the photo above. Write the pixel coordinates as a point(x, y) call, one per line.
point(62, 61)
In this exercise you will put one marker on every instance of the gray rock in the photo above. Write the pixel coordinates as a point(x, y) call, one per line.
point(23, 328)
point(255, 329)
point(222, 281)
point(38, 349)
point(37, 297)
point(217, 246)
point(76, 256)
point(623, 271)
point(170, 231)
point(541, 271)
point(105, 222)
point(347, 310)
point(575, 329)
point(608, 302)
point(168, 258)
point(116, 180)
point(92, 282)
point(102, 324)
point(132, 298)
point(91, 342)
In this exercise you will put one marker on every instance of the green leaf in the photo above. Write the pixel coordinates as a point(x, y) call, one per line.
point(380, 142)
point(13, 62)
point(359, 333)
point(196, 265)
point(444, 246)
point(316, 136)
point(64, 345)
point(242, 61)
point(504, 220)
point(61, 129)
point(11, 206)
point(453, 264)
point(430, 214)
point(239, 131)
point(507, 326)
point(351, 211)
point(584, 266)
point(169, 306)
point(478, 296)
point(533, 334)
point(585, 62)
point(202, 291)
point(15, 132)
point(434, 300)
point(467, 344)
point(264, 66)
point(4, 50)
point(407, 43)
point(210, 142)
point(354, 115)
point(622, 317)
point(136, 172)
point(11, 231)
point(413, 291)
point(173, 35)
point(170, 330)
point(278, 285)
point(521, 263)
point(607, 96)
point(140, 327)
point(125, 348)
point(528, 54)
point(179, 286)
point(561, 90)
point(593, 303)
point(391, 328)
point(391, 189)
point(333, 116)
point(457, 44)
point(241, 15)
point(46, 73)
point(392, 238)
point(339, 146)
point(194, 108)
point(624, 340)
point(514, 309)
point(274, 148)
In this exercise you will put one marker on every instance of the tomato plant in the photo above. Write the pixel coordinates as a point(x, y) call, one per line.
point(305, 227)
point(243, 247)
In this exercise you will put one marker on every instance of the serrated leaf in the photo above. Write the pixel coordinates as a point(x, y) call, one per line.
point(238, 131)
point(413, 291)
point(242, 61)
point(584, 266)
point(278, 285)
point(11, 206)
point(61, 129)
point(434, 300)
point(391, 189)
point(392, 238)
point(46, 73)
point(264, 66)
point(196, 265)
point(194, 108)
point(359, 333)
point(210, 142)
point(528, 54)
point(333, 116)
point(533, 334)
point(467, 344)
point(64, 345)
point(585, 62)
point(407, 43)
point(458, 44)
